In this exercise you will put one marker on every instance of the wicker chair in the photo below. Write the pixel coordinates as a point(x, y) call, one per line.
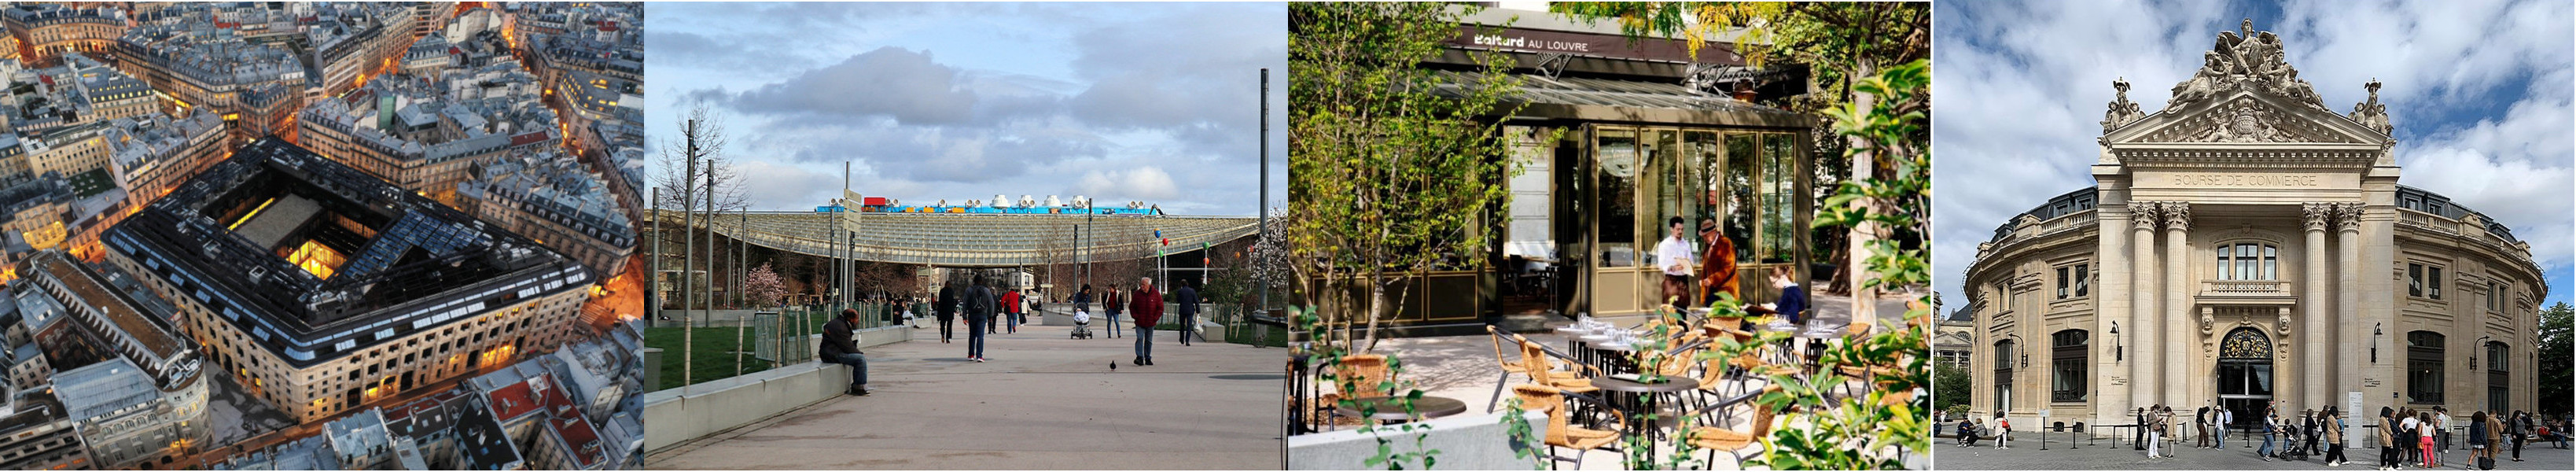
point(1535, 364)
point(1732, 441)
point(1561, 431)
point(1510, 363)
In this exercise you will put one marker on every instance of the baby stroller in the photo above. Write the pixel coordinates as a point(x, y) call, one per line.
point(1081, 325)
point(2297, 449)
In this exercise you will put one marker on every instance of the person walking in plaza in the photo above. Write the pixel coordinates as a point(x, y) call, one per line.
point(1188, 298)
point(1717, 264)
point(2003, 431)
point(1114, 302)
point(1675, 256)
point(1011, 310)
point(2406, 443)
point(840, 347)
point(1146, 306)
point(2271, 431)
point(2479, 431)
point(979, 318)
point(2333, 432)
point(2520, 428)
point(948, 303)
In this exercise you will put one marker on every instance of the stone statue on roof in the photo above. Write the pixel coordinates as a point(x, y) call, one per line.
point(2122, 111)
point(2253, 60)
point(2371, 113)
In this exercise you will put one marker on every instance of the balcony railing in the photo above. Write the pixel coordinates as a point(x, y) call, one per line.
point(2244, 288)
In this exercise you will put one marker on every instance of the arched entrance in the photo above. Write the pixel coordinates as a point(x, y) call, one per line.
point(2245, 375)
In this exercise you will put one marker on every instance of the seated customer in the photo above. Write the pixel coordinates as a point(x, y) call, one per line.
point(1793, 299)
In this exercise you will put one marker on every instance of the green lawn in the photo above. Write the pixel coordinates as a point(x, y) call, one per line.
point(90, 183)
point(714, 350)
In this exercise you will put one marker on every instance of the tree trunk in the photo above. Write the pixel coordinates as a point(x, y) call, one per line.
point(1864, 299)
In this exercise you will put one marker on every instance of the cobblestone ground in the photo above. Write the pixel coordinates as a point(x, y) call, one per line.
point(2025, 454)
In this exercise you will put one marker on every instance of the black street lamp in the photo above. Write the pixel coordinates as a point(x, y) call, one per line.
point(2374, 343)
point(2118, 348)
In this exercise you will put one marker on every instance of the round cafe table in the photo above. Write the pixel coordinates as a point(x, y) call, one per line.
point(1389, 410)
point(1633, 400)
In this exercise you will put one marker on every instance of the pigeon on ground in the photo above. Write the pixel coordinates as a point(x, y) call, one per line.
point(1113, 365)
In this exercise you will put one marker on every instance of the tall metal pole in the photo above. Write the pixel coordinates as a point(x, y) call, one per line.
point(653, 266)
point(1262, 234)
point(689, 254)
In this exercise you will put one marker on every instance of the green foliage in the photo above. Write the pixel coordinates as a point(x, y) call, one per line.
point(2557, 375)
point(1950, 388)
point(1398, 167)
point(1526, 444)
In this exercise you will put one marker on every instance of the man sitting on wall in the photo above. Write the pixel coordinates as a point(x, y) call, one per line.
point(841, 347)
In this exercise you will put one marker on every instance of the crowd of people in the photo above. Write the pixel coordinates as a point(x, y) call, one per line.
point(989, 309)
point(2406, 436)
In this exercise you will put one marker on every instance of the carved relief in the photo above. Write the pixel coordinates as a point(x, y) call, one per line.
point(2281, 322)
point(2243, 122)
point(2317, 215)
point(2122, 111)
point(2177, 215)
point(2250, 61)
point(2206, 321)
point(2370, 113)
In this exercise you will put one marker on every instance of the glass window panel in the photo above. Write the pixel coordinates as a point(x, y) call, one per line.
point(1779, 191)
point(2415, 280)
point(1616, 206)
point(2434, 283)
point(2271, 263)
point(2082, 280)
point(1740, 210)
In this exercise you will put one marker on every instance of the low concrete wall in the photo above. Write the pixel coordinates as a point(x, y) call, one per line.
point(723, 404)
point(714, 407)
point(1480, 442)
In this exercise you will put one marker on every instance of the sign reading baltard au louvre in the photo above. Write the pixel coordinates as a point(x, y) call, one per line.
point(1591, 44)
point(2285, 180)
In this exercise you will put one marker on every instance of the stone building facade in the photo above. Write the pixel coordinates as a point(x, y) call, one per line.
point(2246, 246)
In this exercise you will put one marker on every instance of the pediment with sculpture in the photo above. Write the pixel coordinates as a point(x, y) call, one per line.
point(2245, 92)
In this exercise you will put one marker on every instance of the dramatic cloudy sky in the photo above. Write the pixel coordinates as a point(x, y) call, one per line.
point(1155, 102)
point(2479, 92)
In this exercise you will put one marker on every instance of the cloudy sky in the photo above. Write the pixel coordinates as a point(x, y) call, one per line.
point(2479, 92)
point(926, 101)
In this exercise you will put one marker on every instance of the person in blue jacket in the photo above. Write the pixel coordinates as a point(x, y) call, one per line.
point(1793, 299)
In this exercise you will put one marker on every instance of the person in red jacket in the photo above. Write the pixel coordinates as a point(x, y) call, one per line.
point(1011, 309)
point(1146, 306)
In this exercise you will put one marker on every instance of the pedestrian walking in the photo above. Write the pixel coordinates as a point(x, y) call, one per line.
point(2334, 427)
point(1717, 264)
point(2387, 433)
point(2479, 431)
point(1189, 309)
point(839, 347)
point(2521, 430)
point(2200, 424)
point(1011, 305)
point(2271, 430)
point(948, 305)
point(2003, 431)
point(2225, 417)
point(1115, 302)
point(1146, 306)
point(979, 318)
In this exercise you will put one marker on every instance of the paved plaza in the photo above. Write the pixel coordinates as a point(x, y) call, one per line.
point(1043, 402)
point(2239, 455)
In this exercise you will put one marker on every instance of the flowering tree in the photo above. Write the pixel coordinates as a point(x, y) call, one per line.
point(763, 286)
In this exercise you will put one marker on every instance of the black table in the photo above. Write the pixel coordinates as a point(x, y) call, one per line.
point(1633, 400)
point(1389, 410)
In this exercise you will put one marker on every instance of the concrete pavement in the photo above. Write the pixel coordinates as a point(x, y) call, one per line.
point(1043, 402)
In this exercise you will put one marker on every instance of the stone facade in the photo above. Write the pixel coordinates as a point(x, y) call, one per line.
point(2247, 245)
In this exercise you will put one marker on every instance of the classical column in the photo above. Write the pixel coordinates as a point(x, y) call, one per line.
point(2142, 304)
point(2316, 365)
point(2348, 290)
point(2178, 340)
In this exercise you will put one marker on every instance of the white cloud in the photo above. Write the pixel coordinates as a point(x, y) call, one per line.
point(2478, 91)
point(1140, 183)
